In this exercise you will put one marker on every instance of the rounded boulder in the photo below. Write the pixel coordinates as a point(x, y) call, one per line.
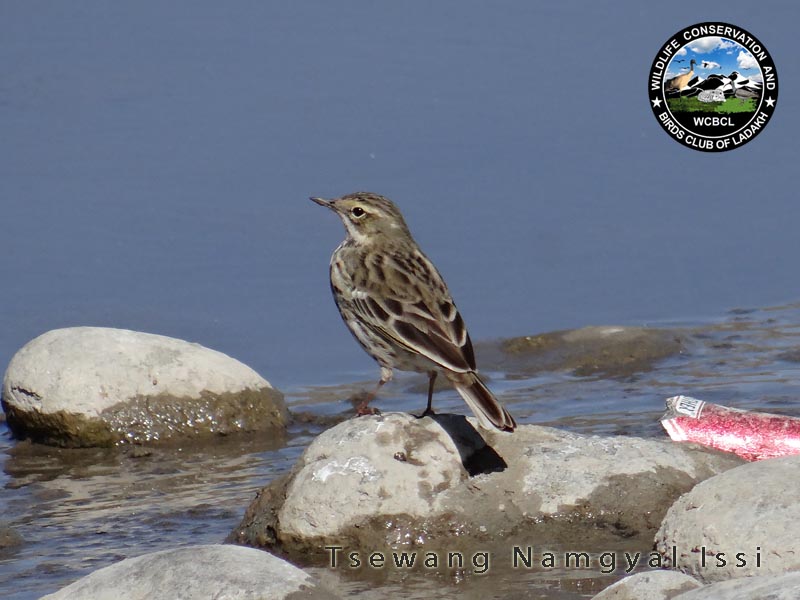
point(741, 523)
point(649, 585)
point(95, 386)
point(218, 571)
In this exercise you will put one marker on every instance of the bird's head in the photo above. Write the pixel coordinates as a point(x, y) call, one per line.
point(367, 216)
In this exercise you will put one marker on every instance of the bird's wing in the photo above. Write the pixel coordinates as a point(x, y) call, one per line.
point(405, 300)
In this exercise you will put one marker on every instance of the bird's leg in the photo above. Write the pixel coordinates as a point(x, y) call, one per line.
point(429, 409)
point(363, 407)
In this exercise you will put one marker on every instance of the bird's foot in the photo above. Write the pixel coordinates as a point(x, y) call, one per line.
point(364, 409)
point(428, 412)
point(361, 402)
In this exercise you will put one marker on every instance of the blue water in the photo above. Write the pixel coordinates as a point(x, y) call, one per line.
point(156, 160)
point(157, 157)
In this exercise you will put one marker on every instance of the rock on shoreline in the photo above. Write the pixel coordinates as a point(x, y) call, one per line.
point(439, 482)
point(736, 532)
point(741, 523)
point(650, 585)
point(218, 571)
point(672, 585)
point(95, 386)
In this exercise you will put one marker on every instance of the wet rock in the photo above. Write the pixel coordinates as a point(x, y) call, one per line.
point(741, 523)
point(93, 386)
point(792, 355)
point(9, 538)
point(778, 587)
point(218, 571)
point(391, 479)
point(650, 585)
point(608, 350)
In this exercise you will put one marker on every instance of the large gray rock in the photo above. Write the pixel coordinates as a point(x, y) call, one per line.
point(777, 587)
point(383, 480)
point(218, 571)
point(93, 386)
point(752, 510)
point(649, 585)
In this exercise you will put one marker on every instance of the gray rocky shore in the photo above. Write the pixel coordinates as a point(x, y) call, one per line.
point(379, 480)
point(701, 523)
point(439, 485)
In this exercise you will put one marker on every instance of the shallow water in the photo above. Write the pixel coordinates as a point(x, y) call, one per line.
point(154, 170)
point(78, 510)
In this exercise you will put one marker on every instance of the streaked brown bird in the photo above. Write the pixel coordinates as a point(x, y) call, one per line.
point(398, 307)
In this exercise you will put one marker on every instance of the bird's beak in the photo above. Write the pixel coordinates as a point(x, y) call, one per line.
point(322, 202)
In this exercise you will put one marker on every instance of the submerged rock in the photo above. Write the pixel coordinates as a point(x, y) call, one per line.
point(9, 538)
point(650, 585)
point(741, 523)
point(609, 350)
point(393, 479)
point(93, 386)
point(217, 571)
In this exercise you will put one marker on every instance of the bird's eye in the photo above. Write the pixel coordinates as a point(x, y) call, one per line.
point(358, 212)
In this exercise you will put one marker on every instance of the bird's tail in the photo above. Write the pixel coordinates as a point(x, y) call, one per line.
point(487, 409)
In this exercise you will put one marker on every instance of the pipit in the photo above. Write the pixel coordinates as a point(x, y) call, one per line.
point(397, 306)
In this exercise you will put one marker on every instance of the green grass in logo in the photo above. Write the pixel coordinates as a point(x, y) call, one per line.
point(731, 105)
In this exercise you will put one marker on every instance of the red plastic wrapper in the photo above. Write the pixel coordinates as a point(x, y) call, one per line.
point(751, 435)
